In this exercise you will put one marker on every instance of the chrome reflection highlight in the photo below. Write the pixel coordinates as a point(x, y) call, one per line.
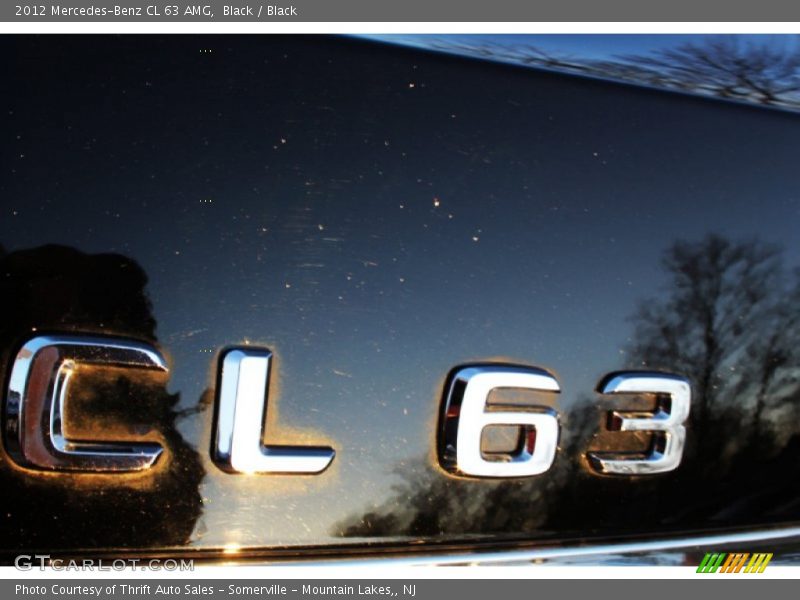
point(466, 415)
point(37, 392)
point(241, 409)
point(666, 423)
point(653, 548)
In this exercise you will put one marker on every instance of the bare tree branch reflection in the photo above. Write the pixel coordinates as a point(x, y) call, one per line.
point(728, 67)
point(765, 72)
point(727, 319)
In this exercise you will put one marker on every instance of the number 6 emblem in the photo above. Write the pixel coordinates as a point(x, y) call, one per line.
point(466, 414)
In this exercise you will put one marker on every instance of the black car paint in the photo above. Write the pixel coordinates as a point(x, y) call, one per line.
point(377, 216)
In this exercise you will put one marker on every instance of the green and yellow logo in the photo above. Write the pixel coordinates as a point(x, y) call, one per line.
point(744, 562)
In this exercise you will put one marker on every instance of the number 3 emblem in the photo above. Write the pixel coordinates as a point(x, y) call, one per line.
point(666, 423)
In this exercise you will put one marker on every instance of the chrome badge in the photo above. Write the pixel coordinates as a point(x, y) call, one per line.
point(241, 408)
point(34, 407)
point(666, 423)
point(35, 436)
point(466, 413)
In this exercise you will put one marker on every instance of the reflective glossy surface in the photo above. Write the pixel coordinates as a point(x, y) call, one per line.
point(665, 423)
point(377, 216)
point(466, 415)
point(242, 403)
point(763, 70)
point(34, 407)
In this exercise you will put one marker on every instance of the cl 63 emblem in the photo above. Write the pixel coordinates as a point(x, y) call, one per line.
point(44, 366)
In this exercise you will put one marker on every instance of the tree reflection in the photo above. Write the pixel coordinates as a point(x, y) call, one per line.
point(59, 289)
point(731, 67)
point(727, 319)
point(428, 504)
